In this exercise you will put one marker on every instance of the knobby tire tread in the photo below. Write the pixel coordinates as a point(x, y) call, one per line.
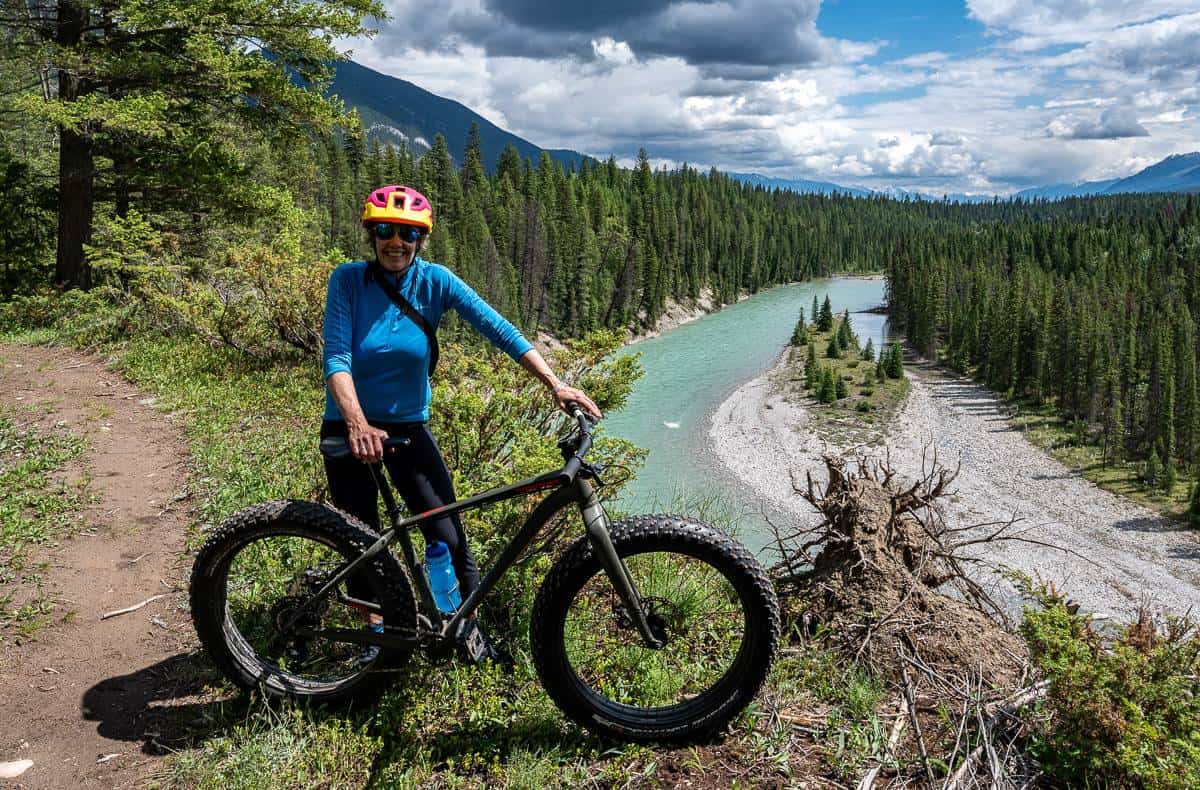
point(655, 532)
point(389, 577)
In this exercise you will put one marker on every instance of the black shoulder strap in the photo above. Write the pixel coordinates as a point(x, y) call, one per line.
point(375, 272)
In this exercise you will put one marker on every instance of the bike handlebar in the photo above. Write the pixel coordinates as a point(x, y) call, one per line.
point(571, 469)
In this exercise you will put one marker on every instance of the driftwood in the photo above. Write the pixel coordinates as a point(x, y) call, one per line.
point(886, 581)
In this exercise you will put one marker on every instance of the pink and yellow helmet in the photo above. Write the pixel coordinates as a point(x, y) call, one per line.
point(400, 204)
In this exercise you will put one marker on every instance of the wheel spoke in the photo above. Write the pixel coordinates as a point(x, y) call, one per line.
point(687, 601)
point(267, 582)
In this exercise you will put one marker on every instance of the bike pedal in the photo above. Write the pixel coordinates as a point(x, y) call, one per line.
point(475, 647)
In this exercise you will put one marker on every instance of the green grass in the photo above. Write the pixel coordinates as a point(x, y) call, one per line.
point(38, 508)
point(1082, 454)
point(250, 428)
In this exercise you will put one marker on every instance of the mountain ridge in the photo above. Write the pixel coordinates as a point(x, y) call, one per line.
point(396, 110)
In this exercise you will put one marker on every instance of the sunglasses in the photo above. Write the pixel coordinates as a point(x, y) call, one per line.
point(385, 230)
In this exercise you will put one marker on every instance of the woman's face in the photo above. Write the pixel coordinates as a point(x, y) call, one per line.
point(396, 253)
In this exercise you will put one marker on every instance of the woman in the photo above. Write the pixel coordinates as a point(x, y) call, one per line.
point(377, 364)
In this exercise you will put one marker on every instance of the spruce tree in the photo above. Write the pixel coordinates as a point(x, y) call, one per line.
point(827, 391)
point(810, 367)
point(840, 388)
point(825, 321)
point(894, 366)
point(1153, 469)
point(1194, 508)
point(832, 351)
point(868, 352)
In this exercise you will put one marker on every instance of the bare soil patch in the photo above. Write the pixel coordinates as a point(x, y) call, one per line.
point(79, 700)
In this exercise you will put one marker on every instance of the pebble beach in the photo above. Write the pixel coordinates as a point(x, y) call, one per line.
point(1120, 553)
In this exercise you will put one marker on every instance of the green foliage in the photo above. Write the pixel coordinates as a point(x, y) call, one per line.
point(1121, 712)
point(840, 389)
point(26, 225)
point(825, 317)
point(800, 333)
point(834, 349)
point(827, 387)
point(1086, 305)
point(1193, 513)
point(893, 361)
point(868, 352)
point(1152, 474)
point(811, 371)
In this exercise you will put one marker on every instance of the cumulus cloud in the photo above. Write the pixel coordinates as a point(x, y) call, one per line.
point(946, 138)
point(1113, 123)
point(738, 39)
point(1064, 90)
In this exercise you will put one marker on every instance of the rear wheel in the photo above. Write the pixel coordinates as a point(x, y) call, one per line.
point(251, 579)
point(706, 599)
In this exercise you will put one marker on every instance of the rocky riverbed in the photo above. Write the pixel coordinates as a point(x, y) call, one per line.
point(1113, 553)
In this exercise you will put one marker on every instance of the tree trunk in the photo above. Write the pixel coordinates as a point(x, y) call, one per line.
point(75, 182)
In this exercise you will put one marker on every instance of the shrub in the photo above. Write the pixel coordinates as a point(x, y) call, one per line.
point(863, 406)
point(1122, 712)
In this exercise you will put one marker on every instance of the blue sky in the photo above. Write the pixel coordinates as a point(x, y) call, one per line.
point(981, 96)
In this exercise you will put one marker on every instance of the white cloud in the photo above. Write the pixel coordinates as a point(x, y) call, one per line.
point(613, 51)
point(1066, 90)
point(1111, 124)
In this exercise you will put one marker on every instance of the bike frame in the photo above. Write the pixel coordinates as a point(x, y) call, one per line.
point(568, 485)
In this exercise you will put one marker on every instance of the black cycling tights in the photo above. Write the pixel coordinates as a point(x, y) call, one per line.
point(420, 474)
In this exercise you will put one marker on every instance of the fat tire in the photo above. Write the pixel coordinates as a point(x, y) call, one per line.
point(726, 698)
point(308, 520)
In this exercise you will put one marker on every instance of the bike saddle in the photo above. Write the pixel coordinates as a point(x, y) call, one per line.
point(339, 446)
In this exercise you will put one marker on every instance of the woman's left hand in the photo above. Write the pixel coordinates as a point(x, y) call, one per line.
point(565, 395)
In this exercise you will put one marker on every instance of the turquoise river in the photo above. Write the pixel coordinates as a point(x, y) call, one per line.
point(692, 369)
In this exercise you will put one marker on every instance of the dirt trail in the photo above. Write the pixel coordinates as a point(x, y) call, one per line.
point(85, 690)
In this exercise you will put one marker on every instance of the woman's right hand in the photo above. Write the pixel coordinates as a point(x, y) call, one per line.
point(366, 442)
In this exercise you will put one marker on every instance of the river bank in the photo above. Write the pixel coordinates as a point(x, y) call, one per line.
point(1128, 552)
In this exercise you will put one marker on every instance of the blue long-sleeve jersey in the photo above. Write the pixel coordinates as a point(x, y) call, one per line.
point(385, 352)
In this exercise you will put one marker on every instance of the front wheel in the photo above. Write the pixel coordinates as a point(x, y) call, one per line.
point(706, 598)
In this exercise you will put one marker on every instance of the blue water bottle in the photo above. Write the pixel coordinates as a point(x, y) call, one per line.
point(442, 580)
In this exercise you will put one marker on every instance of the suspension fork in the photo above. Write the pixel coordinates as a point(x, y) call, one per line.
point(596, 522)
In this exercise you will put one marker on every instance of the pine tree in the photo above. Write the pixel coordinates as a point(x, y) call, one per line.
point(159, 104)
point(1153, 469)
point(811, 372)
point(816, 311)
point(894, 364)
point(832, 351)
point(840, 388)
point(799, 334)
point(1169, 475)
point(827, 390)
point(825, 321)
point(846, 339)
point(868, 352)
point(1194, 508)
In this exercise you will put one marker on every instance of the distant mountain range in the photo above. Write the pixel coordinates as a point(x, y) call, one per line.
point(394, 110)
point(1176, 173)
point(799, 185)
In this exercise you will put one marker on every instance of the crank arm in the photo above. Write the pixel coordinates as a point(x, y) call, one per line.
point(361, 636)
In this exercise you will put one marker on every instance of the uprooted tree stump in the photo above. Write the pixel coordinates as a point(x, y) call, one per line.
point(884, 578)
